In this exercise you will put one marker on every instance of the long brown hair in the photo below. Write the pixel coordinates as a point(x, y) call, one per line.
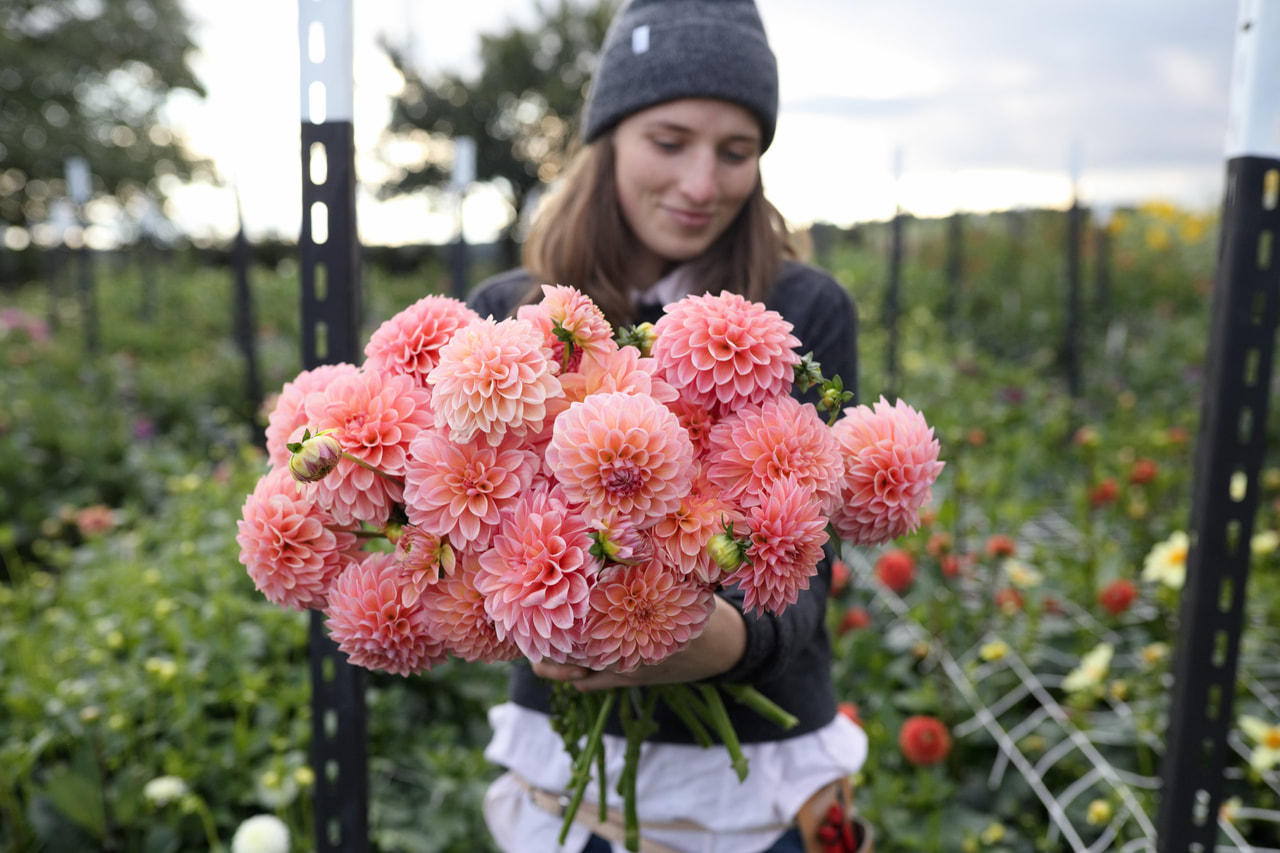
point(580, 238)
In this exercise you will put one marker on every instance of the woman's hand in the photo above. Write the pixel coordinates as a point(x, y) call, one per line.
point(720, 645)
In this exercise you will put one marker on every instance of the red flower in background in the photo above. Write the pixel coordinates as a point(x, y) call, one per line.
point(1118, 596)
point(1000, 545)
point(1143, 471)
point(850, 710)
point(924, 740)
point(855, 619)
point(950, 565)
point(1009, 600)
point(896, 570)
point(839, 577)
point(1104, 493)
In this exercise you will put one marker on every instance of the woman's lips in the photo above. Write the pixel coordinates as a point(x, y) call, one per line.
point(691, 219)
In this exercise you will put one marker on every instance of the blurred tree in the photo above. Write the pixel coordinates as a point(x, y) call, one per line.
point(522, 110)
point(88, 78)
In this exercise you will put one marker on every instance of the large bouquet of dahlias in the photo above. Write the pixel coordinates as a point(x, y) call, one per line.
point(535, 486)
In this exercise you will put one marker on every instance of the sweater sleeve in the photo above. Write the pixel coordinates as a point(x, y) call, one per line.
point(824, 318)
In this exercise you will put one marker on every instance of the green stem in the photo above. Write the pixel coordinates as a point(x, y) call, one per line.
point(636, 728)
point(680, 699)
point(582, 767)
point(719, 719)
point(761, 704)
point(399, 481)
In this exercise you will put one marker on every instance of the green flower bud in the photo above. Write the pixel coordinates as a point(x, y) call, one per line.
point(314, 457)
point(725, 551)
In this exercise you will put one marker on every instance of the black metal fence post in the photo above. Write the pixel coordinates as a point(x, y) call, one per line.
point(1229, 447)
point(330, 276)
point(955, 270)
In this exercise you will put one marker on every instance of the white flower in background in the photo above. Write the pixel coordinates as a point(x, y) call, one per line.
point(262, 833)
point(1266, 740)
point(275, 790)
point(164, 790)
point(1021, 575)
point(1264, 543)
point(1093, 668)
point(1167, 562)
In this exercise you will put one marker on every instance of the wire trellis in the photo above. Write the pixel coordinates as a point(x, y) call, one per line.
point(1010, 700)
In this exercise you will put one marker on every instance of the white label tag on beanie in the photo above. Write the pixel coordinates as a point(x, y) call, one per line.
point(640, 39)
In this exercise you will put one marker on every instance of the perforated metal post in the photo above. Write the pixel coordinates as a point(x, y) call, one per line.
point(330, 256)
point(1230, 444)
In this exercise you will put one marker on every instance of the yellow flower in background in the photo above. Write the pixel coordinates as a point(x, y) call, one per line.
point(1157, 238)
point(1230, 809)
point(1167, 562)
point(993, 834)
point(1266, 740)
point(1093, 668)
point(1264, 543)
point(1021, 575)
point(1154, 653)
point(994, 650)
point(1099, 812)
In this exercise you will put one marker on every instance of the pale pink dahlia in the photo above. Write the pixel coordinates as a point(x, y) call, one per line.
point(375, 417)
point(374, 627)
point(290, 546)
point(724, 352)
point(289, 415)
point(574, 328)
point(409, 343)
point(457, 610)
point(459, 490)
point(682, 535)
point(787, 532)
point(642, 614)
point(696, 420)
point(422, 557)
point(623, 454)
point(759, 445)
point(493, 378)
point(536, 576)
point(890, 465)
point(621, 370)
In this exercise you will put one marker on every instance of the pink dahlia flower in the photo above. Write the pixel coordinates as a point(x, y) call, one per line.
point(371, 623)
point(682, 535)
point(537, 574)
point(618, 541)
point(459, 490)
point(375, 417)
point(457, 610)
point(493, 378)
point(575, 330)
point(621, 370)
point(289, 415)
point(642, 614)
point(409, 343)
point(422, 557)
point(787, 532)
point(724, 352)
point(289, 545)
point(696, 420)
point(890, 465)
point(756, 446)
point(622, 454)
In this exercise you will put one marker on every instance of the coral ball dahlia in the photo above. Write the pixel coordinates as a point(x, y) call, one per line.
point(409, 343)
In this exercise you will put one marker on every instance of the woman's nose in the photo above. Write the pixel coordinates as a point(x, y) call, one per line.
point(698, 178)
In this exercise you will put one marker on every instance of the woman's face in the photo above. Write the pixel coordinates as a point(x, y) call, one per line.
point(684, 170)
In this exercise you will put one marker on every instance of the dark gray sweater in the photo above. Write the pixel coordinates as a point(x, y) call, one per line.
point(788, 657)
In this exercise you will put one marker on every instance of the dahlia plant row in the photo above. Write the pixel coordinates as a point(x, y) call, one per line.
point(537, 489)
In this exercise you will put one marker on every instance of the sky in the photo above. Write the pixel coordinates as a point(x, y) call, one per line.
point(930, 106)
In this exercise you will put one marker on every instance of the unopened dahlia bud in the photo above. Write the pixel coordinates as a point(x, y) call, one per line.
point(726, 551)
point(640, 336)
point(314, 457)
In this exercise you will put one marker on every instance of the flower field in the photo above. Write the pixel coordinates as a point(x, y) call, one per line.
point(1009, 660)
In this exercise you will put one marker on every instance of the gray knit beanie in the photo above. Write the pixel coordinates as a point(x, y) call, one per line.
point(662, 50)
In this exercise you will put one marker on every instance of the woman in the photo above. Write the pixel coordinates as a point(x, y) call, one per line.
point(665, 199)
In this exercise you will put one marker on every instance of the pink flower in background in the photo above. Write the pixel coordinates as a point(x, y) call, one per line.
point(459, 490)
point(758, 445)
point(457, 611)
point(374, 417)
point(621, 370)
point(890, 465)
point(288, 545)
point(537, 574)
point(288, 415)
point(422, 557)
point(409, 343)
point(624, 454)
point(493, 378)
point(682, 535)
point(641, 614)
point(787, 532)
point(373, 625)
point(723, 352)
point(95, 520)
point(565, 312)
